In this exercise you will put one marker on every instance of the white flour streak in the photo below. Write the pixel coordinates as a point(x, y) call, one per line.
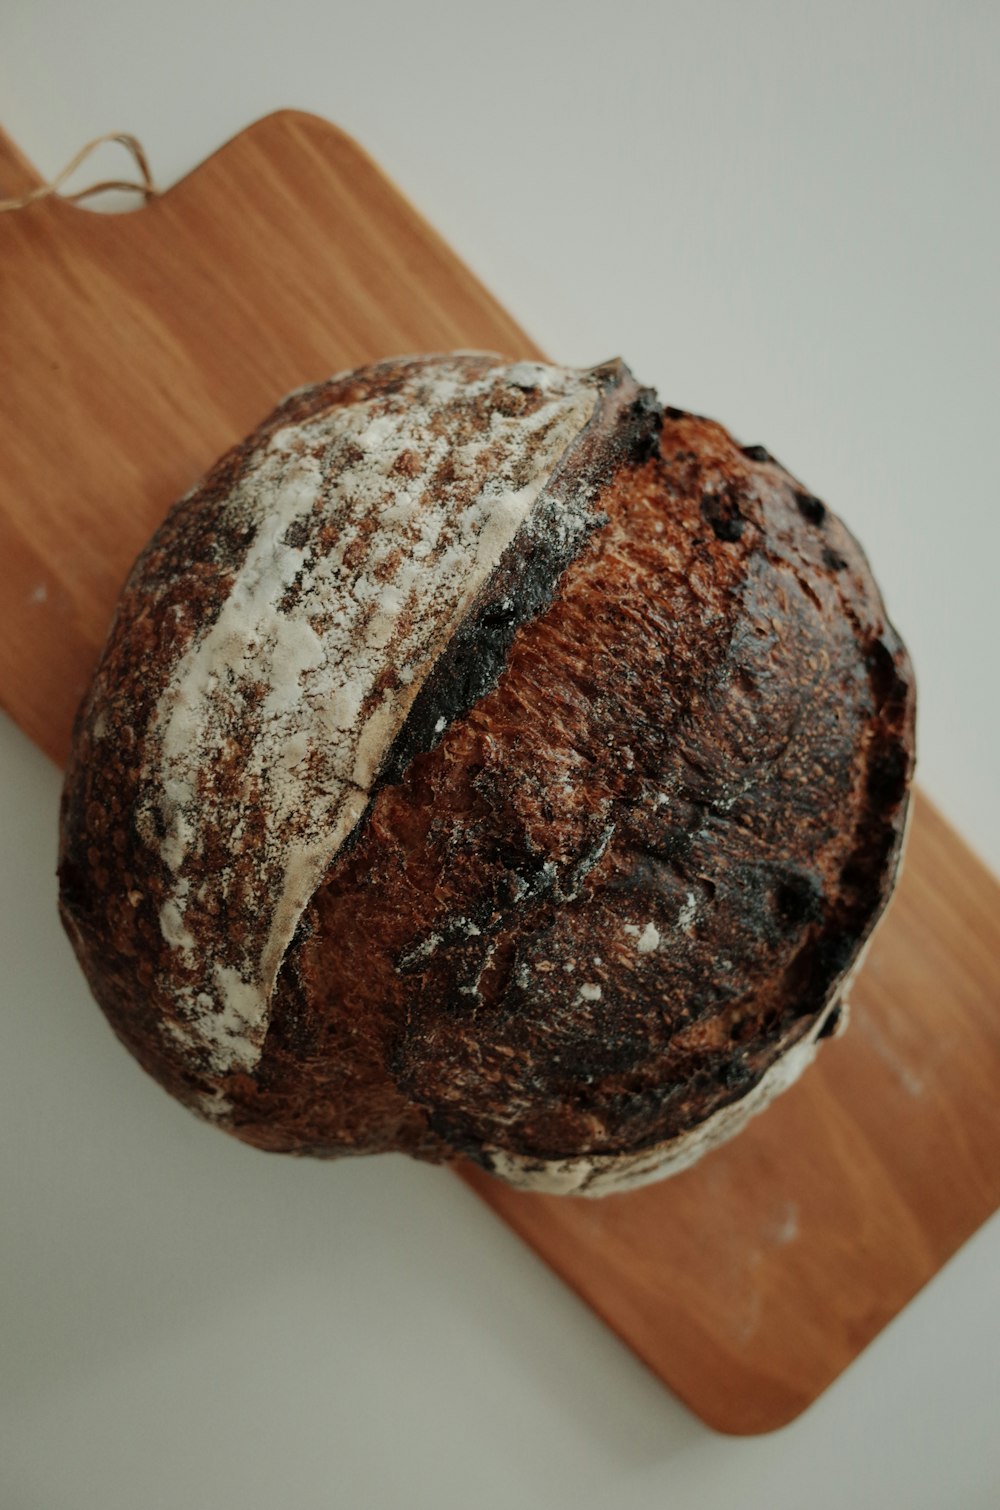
point(275, 720)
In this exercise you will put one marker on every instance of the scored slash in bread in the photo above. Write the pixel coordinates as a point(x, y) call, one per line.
point(485, 762)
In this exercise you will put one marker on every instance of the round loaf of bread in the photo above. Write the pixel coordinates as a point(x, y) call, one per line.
point(485, 762)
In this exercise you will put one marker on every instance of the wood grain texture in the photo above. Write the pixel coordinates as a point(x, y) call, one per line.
point(142, 346)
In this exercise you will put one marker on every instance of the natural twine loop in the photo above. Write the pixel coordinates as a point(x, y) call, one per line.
point(147, 188)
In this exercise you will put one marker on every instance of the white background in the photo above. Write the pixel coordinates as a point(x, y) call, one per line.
point(782, 214)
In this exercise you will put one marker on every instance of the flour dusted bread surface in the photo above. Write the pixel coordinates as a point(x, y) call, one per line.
point(486, 762)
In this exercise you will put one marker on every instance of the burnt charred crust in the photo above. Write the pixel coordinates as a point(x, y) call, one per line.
point(723, 514)
point(810, 507)
point(624, 428)
point(831, 1026)
point(640, 438)
point(521, 588)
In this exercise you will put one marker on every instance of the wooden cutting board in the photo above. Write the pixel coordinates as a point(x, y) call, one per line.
point(134, 350)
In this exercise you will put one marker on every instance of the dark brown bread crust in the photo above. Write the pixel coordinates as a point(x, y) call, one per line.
point(622, 885)
point(711, 731)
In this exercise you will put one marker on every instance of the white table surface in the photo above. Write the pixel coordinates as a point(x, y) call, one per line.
point(784, 214)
